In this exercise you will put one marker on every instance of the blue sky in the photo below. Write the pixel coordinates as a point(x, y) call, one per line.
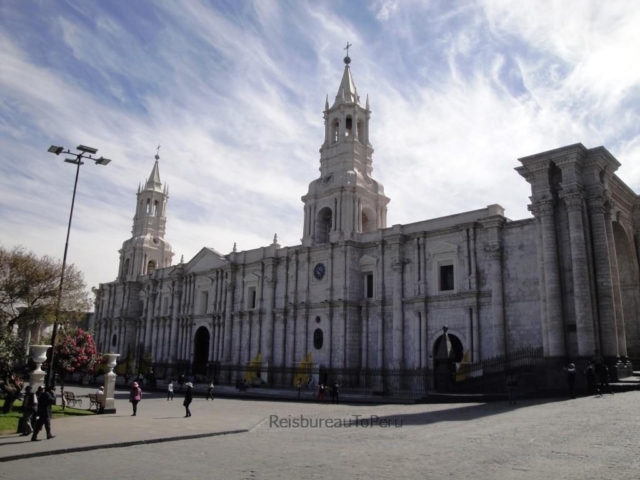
point(234, 93)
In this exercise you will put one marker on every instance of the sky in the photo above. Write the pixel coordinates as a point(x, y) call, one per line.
point(234, 93)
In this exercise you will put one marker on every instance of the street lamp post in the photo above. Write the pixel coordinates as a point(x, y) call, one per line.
point(85, 153)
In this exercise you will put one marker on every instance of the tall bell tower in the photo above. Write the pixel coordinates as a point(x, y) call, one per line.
point(345, 201)
point(147, 249)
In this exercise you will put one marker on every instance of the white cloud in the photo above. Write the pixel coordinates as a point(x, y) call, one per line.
point(459, 91)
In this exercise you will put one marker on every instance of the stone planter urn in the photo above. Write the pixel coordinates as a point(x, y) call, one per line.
point(109, 403)
point(111, 360)
point(38, 354)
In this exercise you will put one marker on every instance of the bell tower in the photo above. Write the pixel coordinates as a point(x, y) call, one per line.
point(345, 201)
point(147, 249)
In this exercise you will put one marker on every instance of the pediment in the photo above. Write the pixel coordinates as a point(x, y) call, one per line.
point(367, 261)
point(205, 260)
point(442, 247)
point(251, 278)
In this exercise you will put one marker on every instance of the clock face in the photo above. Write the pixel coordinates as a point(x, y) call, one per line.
point(319, 271)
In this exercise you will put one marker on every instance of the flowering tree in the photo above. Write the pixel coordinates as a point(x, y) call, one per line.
point(75, 352)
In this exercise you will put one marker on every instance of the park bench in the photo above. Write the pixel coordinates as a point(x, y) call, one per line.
point(71, 400)
point(95, 400)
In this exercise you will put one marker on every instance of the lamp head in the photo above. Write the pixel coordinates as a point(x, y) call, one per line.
point(103, 161)
point(56, 150)
point(85, 149)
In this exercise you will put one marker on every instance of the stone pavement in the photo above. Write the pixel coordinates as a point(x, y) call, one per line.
point(587, 438)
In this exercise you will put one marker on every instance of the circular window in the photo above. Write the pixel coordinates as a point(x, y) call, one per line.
point(318, 339)
point(317, 319)
point(114, 340)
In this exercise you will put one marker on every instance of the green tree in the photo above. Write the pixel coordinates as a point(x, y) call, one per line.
point(11, 347)
point(28, 300)
point(29, 290)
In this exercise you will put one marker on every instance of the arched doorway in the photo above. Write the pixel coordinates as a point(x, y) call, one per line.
point(200, 351)
point(447, 351)
point(628, 291)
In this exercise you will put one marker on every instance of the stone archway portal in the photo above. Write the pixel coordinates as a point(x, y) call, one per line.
point(200, 351)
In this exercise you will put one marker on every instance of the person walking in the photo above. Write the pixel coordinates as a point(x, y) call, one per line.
point(592, 380)
point(512, 383)
point(29, 409)
point(299, 386)
point(334, 392)
point(135, 395)
point(604, 379)
point(571, 379)
point(170, 391)
point(188, 398)
point(210, 391)
point(46, 400)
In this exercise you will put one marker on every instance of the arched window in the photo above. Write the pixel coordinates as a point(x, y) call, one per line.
point(318, 339)
point(348, 126)
point(324, 224)
point(368, 220)
point(148, 207)
point(125, 270)
point(151, 266)
point(335, 130)
point(156, 210)
point(360, 131)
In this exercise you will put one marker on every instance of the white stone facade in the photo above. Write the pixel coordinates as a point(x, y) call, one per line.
point(566, 280)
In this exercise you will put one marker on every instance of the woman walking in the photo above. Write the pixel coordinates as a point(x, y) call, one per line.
point(210, 391)
point(170, 391)
point(188, 398)
point(135, 396)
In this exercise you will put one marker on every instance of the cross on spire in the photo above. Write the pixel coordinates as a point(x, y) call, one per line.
point(347, 48)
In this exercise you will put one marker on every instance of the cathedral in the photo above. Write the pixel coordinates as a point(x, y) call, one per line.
point(360, 294)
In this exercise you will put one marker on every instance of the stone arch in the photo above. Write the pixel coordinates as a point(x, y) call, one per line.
point(324, 222)
point(200, 351)
point(151, 266)
point(628, 280)
point(360, 131)
point(457, 346)
point(127, 267)
point(335, 130)
point(348, 126)
point(369, 223)
point(444, 365)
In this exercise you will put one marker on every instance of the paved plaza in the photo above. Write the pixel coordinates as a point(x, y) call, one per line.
point(587, 438)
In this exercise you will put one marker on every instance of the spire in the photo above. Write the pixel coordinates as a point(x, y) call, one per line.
point(154, 183)
point(367, 101)
point(347, 92)
point(326, 103)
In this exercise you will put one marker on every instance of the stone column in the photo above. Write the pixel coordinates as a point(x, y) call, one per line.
point(173, 336)
point(227, 321)
point(615, 282)
point(580, 273)
point(494, 253)
point(604, 285)
point(398, 317)
point(267, 330)
point(289, 340)
point(381, 297)
point(555, 326)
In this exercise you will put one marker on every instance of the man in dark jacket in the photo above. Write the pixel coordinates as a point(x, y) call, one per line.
point(45, 402)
